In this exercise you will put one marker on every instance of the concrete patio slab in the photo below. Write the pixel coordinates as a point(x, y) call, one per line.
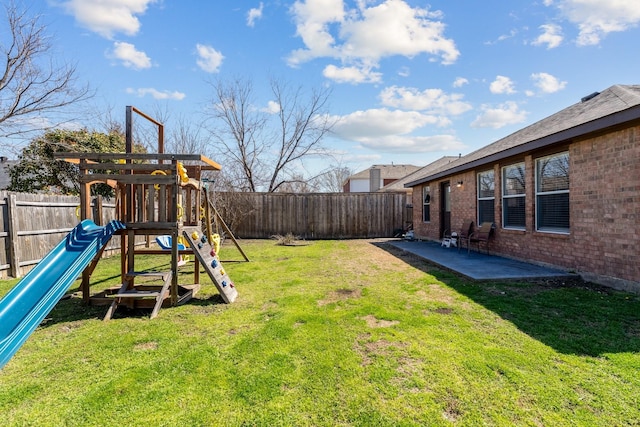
point(478, 266)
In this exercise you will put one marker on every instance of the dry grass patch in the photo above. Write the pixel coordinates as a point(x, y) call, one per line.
point(368, 350)
point(146, 346)
point(340, 295)
point(373, 322)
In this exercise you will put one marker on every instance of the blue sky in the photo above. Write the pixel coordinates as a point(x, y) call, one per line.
point(412, 80)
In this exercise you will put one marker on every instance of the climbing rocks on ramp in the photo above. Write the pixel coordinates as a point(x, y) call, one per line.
point(211, 263)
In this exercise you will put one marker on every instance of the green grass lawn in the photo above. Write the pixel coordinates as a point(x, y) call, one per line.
point(335, 333)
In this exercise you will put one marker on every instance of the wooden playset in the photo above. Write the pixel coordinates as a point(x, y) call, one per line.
point(156, 194)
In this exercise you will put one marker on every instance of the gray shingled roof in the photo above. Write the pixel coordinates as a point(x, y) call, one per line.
point(420, 173)
point(615, 105)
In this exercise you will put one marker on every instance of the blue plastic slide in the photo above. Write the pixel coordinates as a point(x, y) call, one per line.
point(27, 304)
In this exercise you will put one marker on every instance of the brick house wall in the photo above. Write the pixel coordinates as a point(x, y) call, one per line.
point(604, 199)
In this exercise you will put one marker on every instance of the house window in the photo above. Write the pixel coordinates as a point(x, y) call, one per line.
point(552, 193)
point(486, 197)
point(426, 204)
point(513, 196)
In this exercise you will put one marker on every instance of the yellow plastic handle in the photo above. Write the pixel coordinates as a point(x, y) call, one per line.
point(158, 172)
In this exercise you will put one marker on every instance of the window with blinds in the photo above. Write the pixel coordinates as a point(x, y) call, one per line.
point(426, 203)
point(513, 197)
point(486, 197)
point(552, 193)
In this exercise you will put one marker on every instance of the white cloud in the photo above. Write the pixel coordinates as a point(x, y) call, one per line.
point(361, 158)
point(156, 94)
point(130, 56)
point(502, 84)
point(434, 101)
point(503, 37)
point(597, 18)
point(313, 18)
point(254, 14)
point(209, 59)
point(505, 114)
point(551, 36)
point(380, 122)
point(412, 144)
point(460, 81)
point(353, 75)
point(108, 17)
point(547, 83)
point(360, 37)
point(272, 107)
point(404, 72)
point(389, 130)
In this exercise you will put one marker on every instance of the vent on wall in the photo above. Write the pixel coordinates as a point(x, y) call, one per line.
point(591, 96)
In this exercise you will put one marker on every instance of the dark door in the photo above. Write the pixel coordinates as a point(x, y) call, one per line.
point(445, 208)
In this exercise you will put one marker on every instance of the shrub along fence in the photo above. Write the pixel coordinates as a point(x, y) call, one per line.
point(315, 215)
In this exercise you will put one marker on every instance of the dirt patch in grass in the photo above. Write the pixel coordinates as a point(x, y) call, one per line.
point(374, 322)
point(408, 368)
point(436, 292)
point(368, 350)
point(146, 346)
point(340, 295)
point(443, 310)
point(269, 305)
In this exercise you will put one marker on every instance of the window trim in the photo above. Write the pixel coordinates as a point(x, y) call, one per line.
point(562, 231)
point(505, 196)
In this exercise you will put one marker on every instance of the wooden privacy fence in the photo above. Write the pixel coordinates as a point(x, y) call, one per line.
point(31, 225)
point(318, 215)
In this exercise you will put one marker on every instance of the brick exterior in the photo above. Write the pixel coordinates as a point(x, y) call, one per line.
point(604, 239)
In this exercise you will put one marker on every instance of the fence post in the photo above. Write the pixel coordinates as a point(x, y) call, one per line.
point(14, 259)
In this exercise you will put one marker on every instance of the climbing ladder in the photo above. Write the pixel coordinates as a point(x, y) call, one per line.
point(207, 256)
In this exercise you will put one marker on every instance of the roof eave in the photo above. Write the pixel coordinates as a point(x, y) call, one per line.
point(593, 126)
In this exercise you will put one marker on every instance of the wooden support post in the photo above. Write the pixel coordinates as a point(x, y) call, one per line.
point(229, 233)
point(97, 211)
point(196, 271)
point(131, 263)
point(129, 130)
point(14, 258)
point(174, 267)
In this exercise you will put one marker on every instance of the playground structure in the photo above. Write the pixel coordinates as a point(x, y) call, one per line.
point(156, 194)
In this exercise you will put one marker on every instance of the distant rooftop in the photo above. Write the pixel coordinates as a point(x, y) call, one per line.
point(387, 171)
point(419, 173)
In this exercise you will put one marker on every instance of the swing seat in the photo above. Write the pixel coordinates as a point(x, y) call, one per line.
point(165, 243)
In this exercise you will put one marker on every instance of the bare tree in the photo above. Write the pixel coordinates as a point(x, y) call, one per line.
point(185, 137)
point(264, 147)
point(299, 184)
point(332, 180)
point(32, 84)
